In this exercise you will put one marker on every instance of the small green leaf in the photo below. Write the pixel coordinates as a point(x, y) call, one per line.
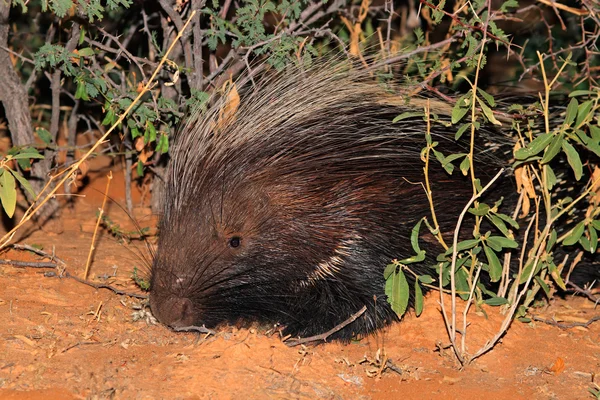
point(537, 145)
point(406, 115)
point(81, 36)
point(418, 299)
point(488, 97)
point(508, 219)
point(27, 156)
point(24, 183)
point(496, 301)
point(397, 291)
point(109, 118)
point(464, 166)
point(585, 243)
point(498, 223)
point(150, 134)
point(574, 236)
point(81, 92)
point(44, 135)
point(571, 111)
point(553, 149)
point(556, 277)
point(426, 279)
point(550, 177)
point(593, 239)
point(163, 144)
point(464, 245)
point(573, 159)
point(551, 240)
point(494, 263)
point(481, 209)
point(595, 132)
point(543, 285)
point(488, 113)
point(135, 132)
point(86, 52)
point(503, 242)
point(459, 111)
point(461, 131)
point(577, 93)
point(583, 113)
point(462, 284)
point(140, 168)
point(8, 193)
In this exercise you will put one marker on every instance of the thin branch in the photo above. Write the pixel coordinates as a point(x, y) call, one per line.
point(324, 336)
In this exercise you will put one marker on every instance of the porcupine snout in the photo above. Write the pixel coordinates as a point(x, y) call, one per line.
point(169, 303)
point(174, 311)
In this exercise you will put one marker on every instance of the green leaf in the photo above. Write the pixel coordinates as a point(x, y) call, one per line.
point(140, 168)
point(503, 242)
point(461, 131)
point(150, 134)
point(537, 145)
point(464, 245)
point(8, 193)
point(577, 93)
point(551, 240)
point(86, 52)
point(550, 177)
point(498, 223)
point(27, 156)
point(574, 236)
point(426, 279)
point(481, 209)
point(418, 299)
point(553, 149)
point(24, 183)
point(571, 111)
point(44, 135)
point(593, 239)
point(543, 285)
point(464, 166)
point(496, 301)
point(462, 284)
point(81, 36)
point(494, 263)
point(396, 289)
point(583, 112)
point(585, 244)
point(109, 119)
point(488, 97)
point(135, 132)
point(163, 144)
point(488, 113)
point(459, 111)
point(508, 219)
point(595, 132)
point(81, 92)
point(573, 159)
point(408, 114)
point(556, 277)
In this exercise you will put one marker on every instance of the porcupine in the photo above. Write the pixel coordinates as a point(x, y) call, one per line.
point(289, 210)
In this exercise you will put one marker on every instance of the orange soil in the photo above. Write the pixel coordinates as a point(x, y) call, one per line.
point(60, 339)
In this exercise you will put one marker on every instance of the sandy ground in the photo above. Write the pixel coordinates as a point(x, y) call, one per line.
point(61, 339)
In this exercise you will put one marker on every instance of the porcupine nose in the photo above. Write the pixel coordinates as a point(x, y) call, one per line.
point(176, 312)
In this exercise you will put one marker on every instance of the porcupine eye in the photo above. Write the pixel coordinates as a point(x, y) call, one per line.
point(235, 241)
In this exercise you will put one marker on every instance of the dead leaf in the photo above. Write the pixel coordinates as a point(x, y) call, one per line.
point(558, 366)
